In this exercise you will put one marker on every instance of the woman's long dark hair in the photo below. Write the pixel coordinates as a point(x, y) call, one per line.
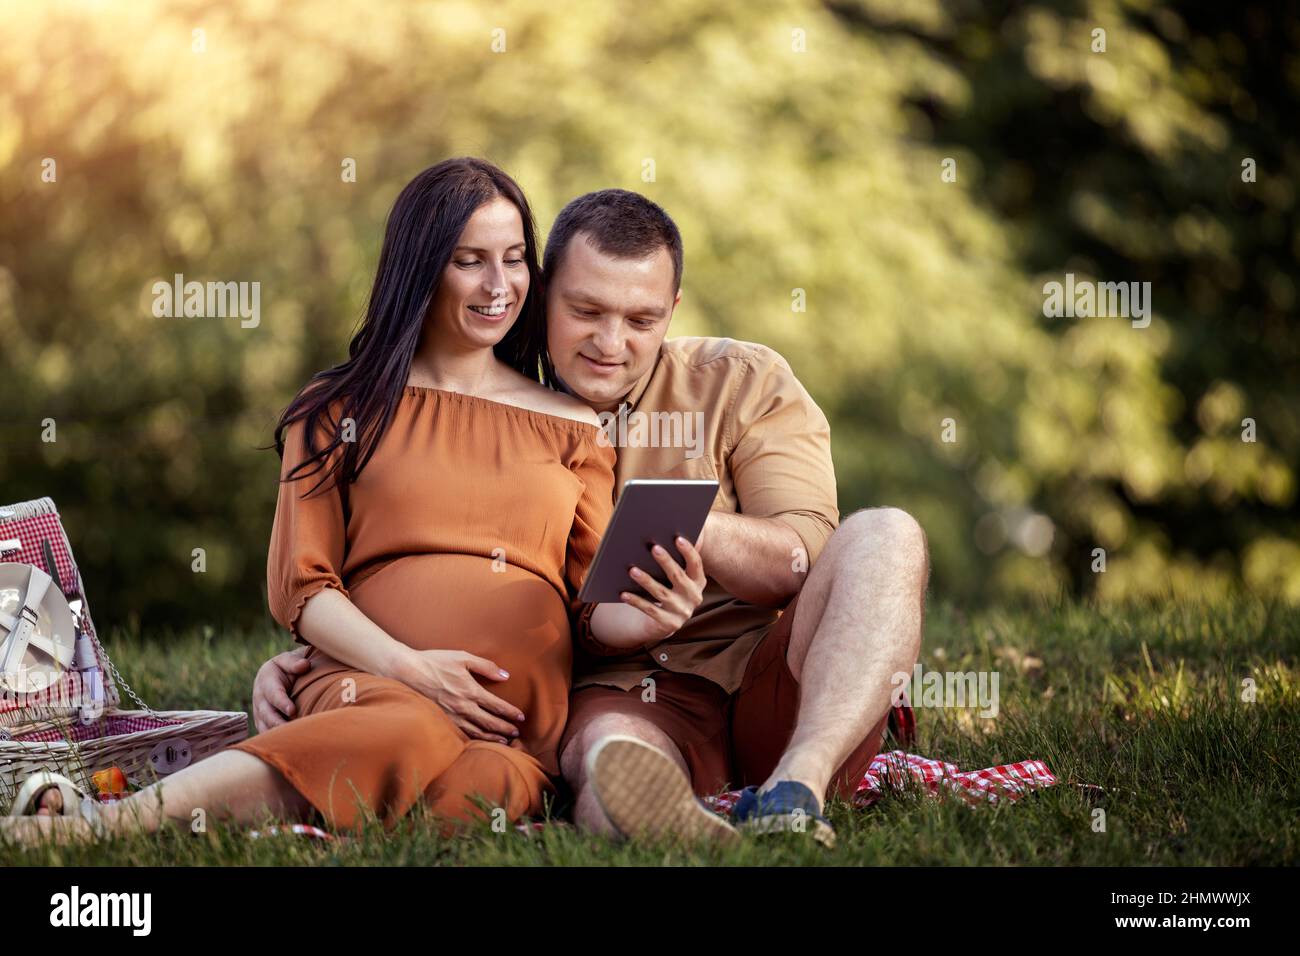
point(426, 220)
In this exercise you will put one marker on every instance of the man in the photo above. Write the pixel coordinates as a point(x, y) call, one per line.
point(781, 680)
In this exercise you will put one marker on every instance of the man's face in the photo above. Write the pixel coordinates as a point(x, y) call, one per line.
point(606, 318)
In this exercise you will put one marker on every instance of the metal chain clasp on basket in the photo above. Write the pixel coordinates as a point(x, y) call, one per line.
point(116, 675)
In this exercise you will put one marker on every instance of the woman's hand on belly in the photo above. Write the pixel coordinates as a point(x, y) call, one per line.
point(446, 677)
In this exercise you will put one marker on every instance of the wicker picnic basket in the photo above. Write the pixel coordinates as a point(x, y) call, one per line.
point(75, 725)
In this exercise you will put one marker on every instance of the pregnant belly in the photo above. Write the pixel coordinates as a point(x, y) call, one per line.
point(458, 602)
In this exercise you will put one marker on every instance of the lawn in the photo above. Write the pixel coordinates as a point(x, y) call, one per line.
point(1145, 701)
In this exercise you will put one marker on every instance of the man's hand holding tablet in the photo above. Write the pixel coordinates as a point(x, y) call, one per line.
point(656, 593)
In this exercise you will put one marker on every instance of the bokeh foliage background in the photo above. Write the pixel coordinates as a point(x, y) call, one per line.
point(816, 170)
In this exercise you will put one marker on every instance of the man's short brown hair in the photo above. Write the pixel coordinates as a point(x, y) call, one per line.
point(620, 223)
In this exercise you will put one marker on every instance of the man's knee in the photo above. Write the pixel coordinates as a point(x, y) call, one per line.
point(889, 531)
point(573, 760)
point(889, 524)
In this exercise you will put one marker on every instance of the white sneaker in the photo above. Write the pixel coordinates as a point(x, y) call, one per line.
point(645, 794)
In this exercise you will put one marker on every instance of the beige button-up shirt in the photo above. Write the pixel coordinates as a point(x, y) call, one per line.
point(733, 411)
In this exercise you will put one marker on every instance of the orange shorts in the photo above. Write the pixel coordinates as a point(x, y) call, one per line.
point(736, 740)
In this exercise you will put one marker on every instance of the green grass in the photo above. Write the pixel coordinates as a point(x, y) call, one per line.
point(1144, 701)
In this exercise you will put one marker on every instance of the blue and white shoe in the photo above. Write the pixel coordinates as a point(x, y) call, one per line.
point(789, 807)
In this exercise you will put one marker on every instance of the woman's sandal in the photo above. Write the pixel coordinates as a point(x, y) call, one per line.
point(75, 803)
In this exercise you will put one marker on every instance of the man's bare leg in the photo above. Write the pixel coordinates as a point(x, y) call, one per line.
point(231, 785)
point(857, 624)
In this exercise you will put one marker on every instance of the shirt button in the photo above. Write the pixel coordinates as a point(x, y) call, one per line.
point(663, 657)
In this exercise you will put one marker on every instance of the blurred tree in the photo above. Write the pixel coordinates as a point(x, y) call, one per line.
point(801, 148)
point(1170, 158)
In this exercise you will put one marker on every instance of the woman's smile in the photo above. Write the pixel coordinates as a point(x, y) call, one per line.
point(494, 312)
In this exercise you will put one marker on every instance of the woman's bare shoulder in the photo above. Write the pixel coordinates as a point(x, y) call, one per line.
point(537, 397)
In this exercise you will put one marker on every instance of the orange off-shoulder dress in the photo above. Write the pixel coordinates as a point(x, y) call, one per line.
point(471, 528)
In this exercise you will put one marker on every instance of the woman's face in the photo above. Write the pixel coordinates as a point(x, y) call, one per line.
point(484, 285)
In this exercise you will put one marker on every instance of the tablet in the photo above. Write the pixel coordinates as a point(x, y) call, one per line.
point(648, 512)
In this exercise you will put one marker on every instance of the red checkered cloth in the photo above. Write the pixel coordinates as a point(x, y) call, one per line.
point(31, 531)
point(32, 522)
point(897, 769)
point(108, 726)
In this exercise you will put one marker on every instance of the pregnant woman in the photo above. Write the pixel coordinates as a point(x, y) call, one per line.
point(438, 509)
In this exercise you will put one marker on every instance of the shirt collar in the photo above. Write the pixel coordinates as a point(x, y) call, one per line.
point(634, 397)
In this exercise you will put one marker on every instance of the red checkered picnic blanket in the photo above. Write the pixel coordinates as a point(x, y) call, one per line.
point(897, 769)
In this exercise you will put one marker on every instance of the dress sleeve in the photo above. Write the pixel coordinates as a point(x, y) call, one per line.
point(596, 472)
point(308, 536)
